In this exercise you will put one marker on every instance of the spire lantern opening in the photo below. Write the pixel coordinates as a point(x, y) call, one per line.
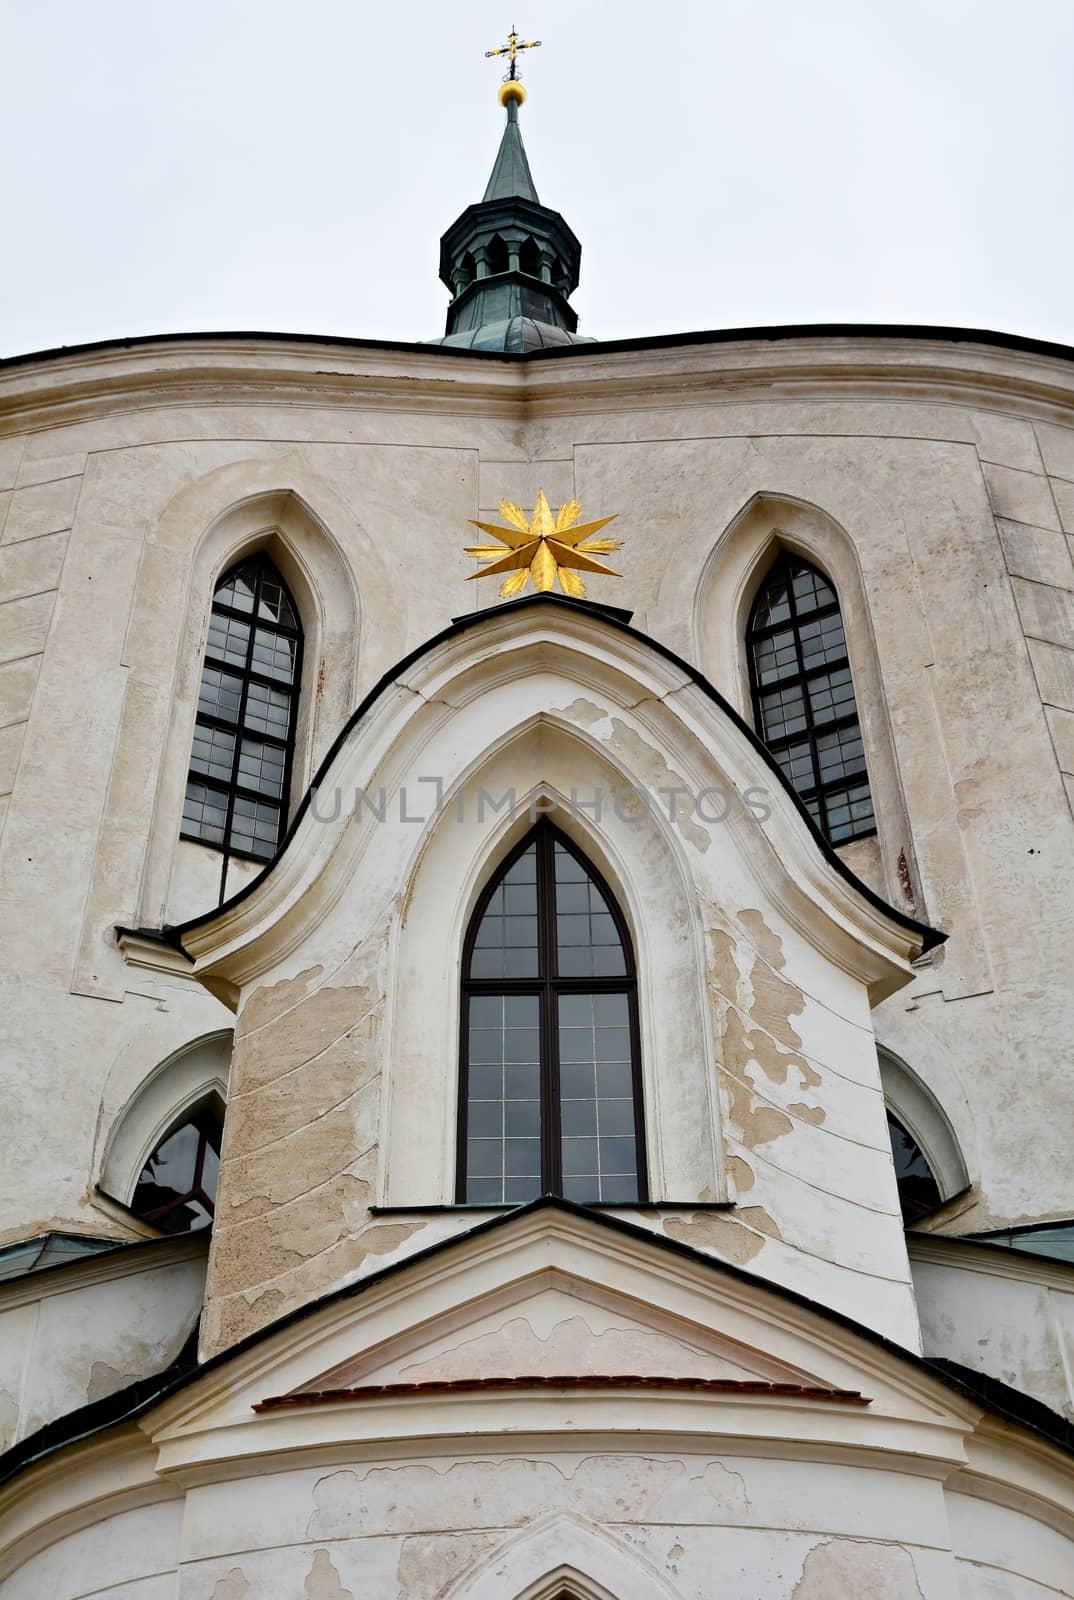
point(510, 263)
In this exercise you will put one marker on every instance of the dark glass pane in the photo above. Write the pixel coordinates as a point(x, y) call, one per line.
point(274, 655)
point(237, 589)
point(213, 752)
point(255, 827)
point(772, 604)
point(822, 641)
point(267, 710)
point(587, 940)
point(919, 1193)
point(776, 657)
point(831, 696)
point(505, 945)
point(210, 1170)
point(275, 603)
point(503, 1117)
point(810, 590)
point(229, 639)
point(220, 694)
point(783, 712)
point(204, 813)
point(177, 1185)
point(262, 766)
point(597, 1112)
point(850, 813)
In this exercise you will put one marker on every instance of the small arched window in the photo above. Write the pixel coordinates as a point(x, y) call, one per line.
point(919, 1192)
point(244, 738)
point(550, 1081)
point(176, 1190)
point(803, 697)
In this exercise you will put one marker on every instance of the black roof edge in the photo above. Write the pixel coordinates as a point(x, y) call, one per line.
point(127, 1404)
point(656, 341)
point(930, 937)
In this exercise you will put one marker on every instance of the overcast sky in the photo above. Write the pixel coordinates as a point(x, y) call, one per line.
point(290, 164)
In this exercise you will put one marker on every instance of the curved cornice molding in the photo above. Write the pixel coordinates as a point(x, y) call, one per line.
point(581, 649)
point(911, 364)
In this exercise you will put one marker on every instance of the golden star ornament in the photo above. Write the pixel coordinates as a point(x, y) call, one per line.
point(543, 547)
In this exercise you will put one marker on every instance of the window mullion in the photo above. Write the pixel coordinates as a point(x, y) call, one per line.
point(551, 1144)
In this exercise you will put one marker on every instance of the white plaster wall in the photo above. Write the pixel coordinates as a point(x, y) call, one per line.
point(1009, 1315)
point(950, 470)
point(78, 1333)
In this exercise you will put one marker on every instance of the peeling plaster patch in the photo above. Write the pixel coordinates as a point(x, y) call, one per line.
point(812, 1114)
point(741, 1047)
point(307, 1030)
point(727, 1488)
point(757, 1124)
point(722, 967)
point(269, 1002)
point(105, 1380)
point(585, 712)
point(571, 1346)
point(741, 1174)
point(654, 774)
point(757, 1217)
point(769, 944)
point(418, 1498)
point(775, 1002)
point(858, 1570)
point(724, 1235)
point(9, 1418)
point(427, 1565)
point(322, 1580)
point(235, 1586)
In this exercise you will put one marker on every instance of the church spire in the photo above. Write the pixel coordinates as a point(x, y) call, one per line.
point(510, 262)
point(511, 170)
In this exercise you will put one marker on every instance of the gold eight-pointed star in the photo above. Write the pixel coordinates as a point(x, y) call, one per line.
point(543, 547)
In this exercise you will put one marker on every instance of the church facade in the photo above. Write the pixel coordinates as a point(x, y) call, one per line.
point(618, 1027)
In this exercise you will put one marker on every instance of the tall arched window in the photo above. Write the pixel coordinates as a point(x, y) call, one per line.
point(803, 699)
point(550, 1082)
point(240, 765)
point(176, 1189)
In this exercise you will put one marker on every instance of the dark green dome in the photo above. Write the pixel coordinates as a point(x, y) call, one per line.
point(510, 262)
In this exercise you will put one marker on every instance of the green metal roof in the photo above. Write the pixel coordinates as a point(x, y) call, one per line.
point(511, 176)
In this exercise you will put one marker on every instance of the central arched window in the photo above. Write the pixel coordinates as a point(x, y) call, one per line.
point(803, 697)
point(240, 763)
point(550, 1090)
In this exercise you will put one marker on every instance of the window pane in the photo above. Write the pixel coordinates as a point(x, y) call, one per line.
point(255, 827)
point(919, 1193)
point(204, 813)
point(275, 603)
point(505, 945)
point(213, 752)
point(597, 1112)
point(237, 589)
point(783, 712)
point(810, 590)
point(503, 1111)
point(831, 696)
point(776, 657)
point(228, 639)
point(587, 940)
point(822, 641)
point(220, 694)
point(274, 655)
point(261, 767)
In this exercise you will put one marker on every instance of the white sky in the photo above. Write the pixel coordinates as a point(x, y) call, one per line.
point(257, 164)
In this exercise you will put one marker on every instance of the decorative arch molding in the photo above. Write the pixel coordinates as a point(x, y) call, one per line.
point(555, 702)
point(177, 1086)
point(921, 1114)
point(731, 577)
point(559, 1556)
point(280, 522)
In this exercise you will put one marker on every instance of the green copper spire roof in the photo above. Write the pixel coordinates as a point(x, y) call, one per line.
point(510, 262)
point(511, 174)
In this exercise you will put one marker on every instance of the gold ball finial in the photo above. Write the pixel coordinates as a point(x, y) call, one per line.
point(511, 90)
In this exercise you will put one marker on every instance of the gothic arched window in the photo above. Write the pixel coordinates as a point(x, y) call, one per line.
point(803, 699)
point(244, 738)
point(176, 1189)
point(919, 1192)
point(550, 1080)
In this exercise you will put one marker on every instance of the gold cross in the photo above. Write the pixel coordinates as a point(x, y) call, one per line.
point(511, 50)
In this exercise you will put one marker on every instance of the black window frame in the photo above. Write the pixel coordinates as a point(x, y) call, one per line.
point(249, 675)
point(790, 565)
point(548, 988)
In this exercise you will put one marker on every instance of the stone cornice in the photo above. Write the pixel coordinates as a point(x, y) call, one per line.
point(893, 365)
